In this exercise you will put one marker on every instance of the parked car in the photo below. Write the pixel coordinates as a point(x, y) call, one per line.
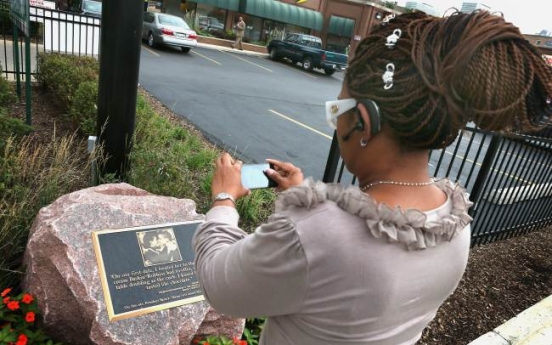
point(210, 24)
point(169, 30)
point(91, 8)
point(308, 50)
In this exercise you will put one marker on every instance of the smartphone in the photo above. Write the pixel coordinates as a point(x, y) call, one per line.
point(253, 176)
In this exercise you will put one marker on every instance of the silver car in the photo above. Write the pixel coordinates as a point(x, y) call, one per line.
point(169, 30)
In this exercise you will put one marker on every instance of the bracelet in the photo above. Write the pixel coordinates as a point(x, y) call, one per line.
point(224, 196)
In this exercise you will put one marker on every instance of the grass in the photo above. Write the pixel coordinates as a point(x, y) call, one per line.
point(32, 176)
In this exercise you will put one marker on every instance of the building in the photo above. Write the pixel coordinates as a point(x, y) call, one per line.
point(340, 23)
point(423, 7)
point(543, 44)
point(469, 7)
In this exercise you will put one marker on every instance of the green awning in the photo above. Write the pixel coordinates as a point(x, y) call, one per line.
point(341, 26)
point(283, 12)
point(233, 5)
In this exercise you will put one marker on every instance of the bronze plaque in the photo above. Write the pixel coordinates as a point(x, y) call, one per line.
point(146, 269)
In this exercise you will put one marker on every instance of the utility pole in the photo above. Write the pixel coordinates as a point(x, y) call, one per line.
point(118, 84)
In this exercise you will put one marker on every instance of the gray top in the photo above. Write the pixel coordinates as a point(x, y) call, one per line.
point(332, 266)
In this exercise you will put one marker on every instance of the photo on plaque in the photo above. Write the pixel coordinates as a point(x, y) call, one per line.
point(147, 269)
point(158, 246)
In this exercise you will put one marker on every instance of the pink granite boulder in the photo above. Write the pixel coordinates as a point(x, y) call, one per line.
point(61, 270)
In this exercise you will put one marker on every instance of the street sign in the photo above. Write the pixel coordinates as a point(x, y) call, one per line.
point(19, 14)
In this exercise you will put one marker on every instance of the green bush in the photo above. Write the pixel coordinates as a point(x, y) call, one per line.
point(84, 108)
point(6, 94)
point(11, 127)
point(62, 75)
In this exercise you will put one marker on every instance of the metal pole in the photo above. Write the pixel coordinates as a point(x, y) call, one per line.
point(117, 92)
point(28, 79)
point(16, 59)
point(332, 162)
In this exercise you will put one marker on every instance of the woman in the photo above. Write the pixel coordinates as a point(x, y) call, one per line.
point(372, 264)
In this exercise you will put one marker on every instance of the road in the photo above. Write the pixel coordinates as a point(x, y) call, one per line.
point(251, 106)
point(256, 108)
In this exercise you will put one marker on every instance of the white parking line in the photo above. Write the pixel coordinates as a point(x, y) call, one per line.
point(495, 170)
point(151, 51)
point(205, 57)
point(240, 58)
point(300, 124)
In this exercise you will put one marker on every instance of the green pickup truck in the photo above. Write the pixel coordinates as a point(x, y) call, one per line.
point(308, 50)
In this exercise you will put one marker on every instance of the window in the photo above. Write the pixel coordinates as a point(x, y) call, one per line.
point(148, 17)
point(171, 20)
point(538, 42)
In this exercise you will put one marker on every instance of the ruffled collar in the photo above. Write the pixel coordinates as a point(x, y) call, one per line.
point(410, 227)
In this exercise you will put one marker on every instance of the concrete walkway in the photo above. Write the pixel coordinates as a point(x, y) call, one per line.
point(230, 49)
point(533, 326)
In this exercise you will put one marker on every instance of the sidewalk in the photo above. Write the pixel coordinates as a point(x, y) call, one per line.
point(225, 45)
point(533, 326)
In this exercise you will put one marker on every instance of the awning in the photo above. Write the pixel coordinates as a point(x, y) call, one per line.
point(232, 5)
point(341, 26)
point(283, 12)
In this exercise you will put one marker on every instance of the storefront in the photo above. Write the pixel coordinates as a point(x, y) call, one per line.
point(340, 23)
point(269, 19)
point(340, 31)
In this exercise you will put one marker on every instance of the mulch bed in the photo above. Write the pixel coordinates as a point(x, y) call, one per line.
point(502, 278)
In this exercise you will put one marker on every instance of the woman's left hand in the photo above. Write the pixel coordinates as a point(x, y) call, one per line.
point(227, 177)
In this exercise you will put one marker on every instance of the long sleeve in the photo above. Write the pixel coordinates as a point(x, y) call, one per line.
point(261, 274)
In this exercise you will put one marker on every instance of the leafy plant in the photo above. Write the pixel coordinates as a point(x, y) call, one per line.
point(83, 108)
point(62, 74)
point(219, 340)
point(6, 94)
point(10, 126)
point(18, 321)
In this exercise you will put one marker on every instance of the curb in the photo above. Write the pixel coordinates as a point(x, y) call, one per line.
point(229, 49)
point(533, 326)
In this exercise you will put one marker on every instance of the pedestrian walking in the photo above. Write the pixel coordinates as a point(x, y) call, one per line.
point(240, 29)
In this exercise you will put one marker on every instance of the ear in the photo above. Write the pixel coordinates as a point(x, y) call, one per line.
point(365, 117)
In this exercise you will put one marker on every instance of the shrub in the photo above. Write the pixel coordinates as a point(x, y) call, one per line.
point(11, 127)
point(84, 108)
point(6, 94)
point(62, 75)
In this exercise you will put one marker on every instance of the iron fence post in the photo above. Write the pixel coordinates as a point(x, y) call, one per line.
point(333, 160)
point(28, 79)
point(16, 59)
point(484, 171)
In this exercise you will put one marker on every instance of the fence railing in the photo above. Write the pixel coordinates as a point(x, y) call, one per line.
point(50, 31)
point(509, 179)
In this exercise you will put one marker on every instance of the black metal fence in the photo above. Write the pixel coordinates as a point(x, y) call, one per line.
point(509, 179)
point(50, 31)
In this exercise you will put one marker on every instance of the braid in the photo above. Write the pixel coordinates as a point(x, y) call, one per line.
point(448, 71)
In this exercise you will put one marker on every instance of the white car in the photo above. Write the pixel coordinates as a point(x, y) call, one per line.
point(169, 30)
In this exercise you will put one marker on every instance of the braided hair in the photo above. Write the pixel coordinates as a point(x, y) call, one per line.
point(450, 71)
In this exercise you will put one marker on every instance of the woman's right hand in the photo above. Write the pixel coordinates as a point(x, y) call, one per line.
point(286, 175)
